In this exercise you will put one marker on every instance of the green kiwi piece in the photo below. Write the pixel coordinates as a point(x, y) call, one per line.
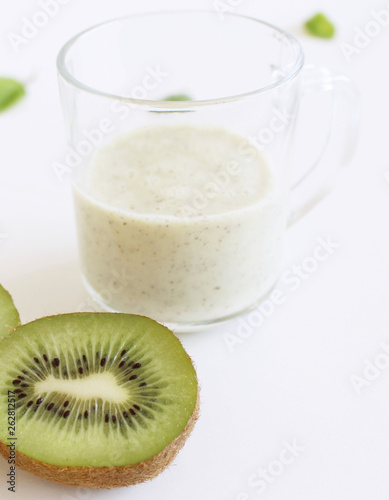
point(11, 91)
point(320, 26)
point(9, 316)
point(102, 400)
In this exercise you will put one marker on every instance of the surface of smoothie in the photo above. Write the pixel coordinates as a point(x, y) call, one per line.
point(179, 223)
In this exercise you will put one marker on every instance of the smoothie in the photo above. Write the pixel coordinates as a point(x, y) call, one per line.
point(179, 223)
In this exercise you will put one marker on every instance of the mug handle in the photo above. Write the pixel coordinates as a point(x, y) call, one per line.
point(340, 143)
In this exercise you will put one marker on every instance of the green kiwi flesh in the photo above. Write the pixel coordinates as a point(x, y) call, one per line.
point(9, 316)
point(96, 391)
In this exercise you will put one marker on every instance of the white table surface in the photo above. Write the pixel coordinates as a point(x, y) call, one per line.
point(290, 381)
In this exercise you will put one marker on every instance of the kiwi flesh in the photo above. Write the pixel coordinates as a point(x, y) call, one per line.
point(9, 316)
point(102, 400)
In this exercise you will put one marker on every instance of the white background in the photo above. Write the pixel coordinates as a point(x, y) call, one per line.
point(290, 379)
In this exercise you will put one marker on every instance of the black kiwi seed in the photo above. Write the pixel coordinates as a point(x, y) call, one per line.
point(142, 384)
point(37, 361)
point(50, 407)
point(102, 362)
point(121, 363)
point(16, 391)
point(21, 378)
point(55, 362)
point(39, 401)
point(24, 385)
point(133, 377)
point(107, 418)
point(66, 414)
point(86, 414)
point(114, 419)
point(132, 411)
point(45, 358)
point(22, 395)
point(125, 414)
point(124, 351)
point(136, 407)
point(66, 403)
point(29, 404)
point(84, 358)
point(80, 370)
point(137, 365)
point(16, 382)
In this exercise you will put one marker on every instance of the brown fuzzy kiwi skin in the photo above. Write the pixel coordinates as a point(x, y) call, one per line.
point(106, 477)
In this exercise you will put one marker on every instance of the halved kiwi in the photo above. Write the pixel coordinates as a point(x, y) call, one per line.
point(102, 400)
point(9, 316)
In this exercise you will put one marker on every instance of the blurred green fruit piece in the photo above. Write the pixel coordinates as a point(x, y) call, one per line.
point(320, 26)
point(178, 97)
point(10, 92)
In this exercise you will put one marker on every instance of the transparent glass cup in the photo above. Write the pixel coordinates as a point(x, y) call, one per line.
point(182, 202)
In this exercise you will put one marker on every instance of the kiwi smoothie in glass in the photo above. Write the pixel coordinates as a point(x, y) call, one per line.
point(179, 223)
point(181, 203)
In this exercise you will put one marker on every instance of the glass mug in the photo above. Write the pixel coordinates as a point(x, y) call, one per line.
point(181, 126)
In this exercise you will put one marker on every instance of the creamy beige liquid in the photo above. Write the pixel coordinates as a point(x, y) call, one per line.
point(182, 224)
